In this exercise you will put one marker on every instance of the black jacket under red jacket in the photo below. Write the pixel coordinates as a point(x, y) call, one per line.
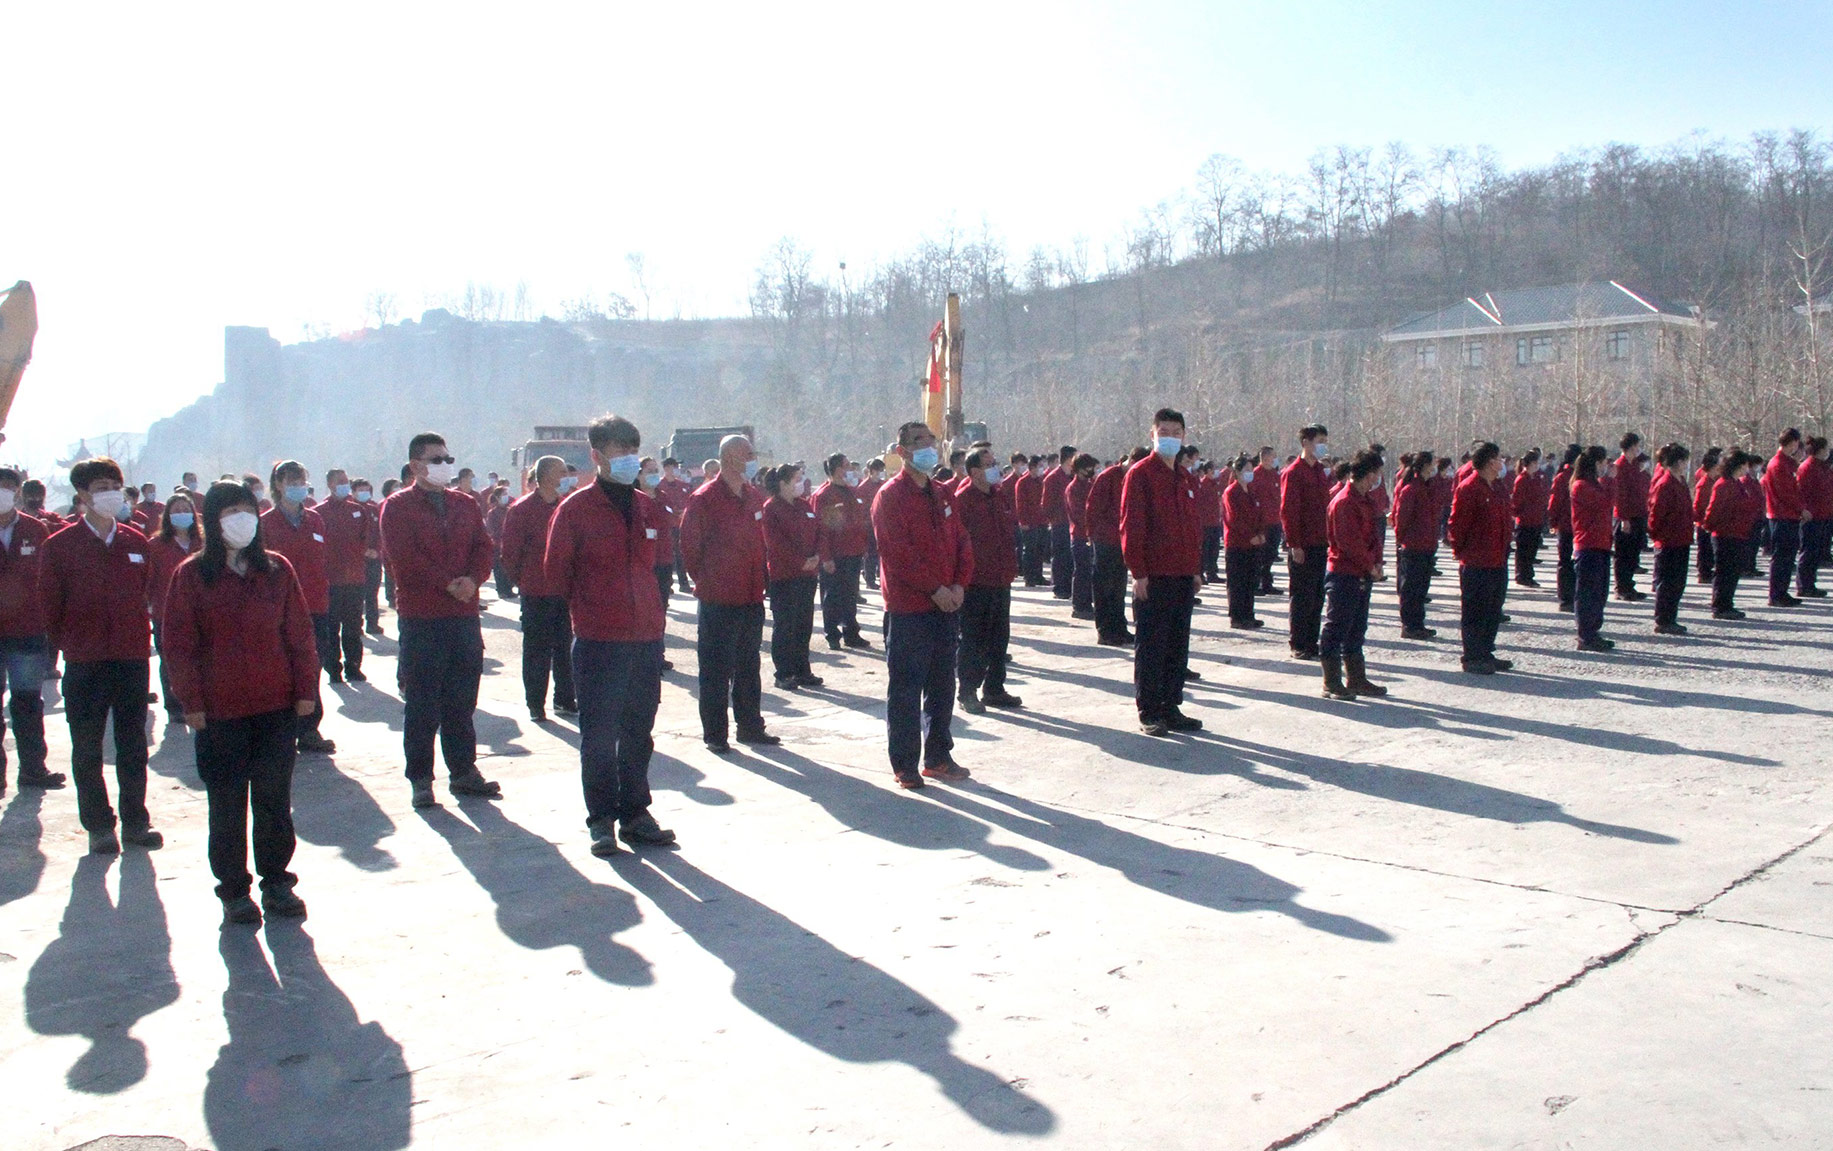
point(1670, 512)
point(1479, 527)
point(603, 565)
point(921, 545)
point(987, 519)
point(1161, 526)
point(241, 646)
point(21, 616)
point(1304, 504)
point(1355, 533)
point(94, 595)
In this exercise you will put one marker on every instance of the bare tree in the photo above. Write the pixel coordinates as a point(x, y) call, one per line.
point(380, 308)
point(638, 275)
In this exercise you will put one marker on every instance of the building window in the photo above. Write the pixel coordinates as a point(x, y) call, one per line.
point(1535, 350)
point(1473, 353)
point(1427, 355)
point(1616, 345)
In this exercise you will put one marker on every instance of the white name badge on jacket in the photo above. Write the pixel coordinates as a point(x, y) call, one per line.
point(135, 558)
point(757, 515)
point(318, 537)
point(649, 533)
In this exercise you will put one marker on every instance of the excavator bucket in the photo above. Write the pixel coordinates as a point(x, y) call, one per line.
point(18, 326)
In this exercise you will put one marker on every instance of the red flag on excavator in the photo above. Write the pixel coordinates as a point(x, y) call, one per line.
point(935, 411)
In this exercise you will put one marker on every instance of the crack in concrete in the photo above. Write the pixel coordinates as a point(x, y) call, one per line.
point(1765, 926)
point(1595, 963)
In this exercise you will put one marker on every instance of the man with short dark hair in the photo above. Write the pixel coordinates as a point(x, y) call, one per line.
point(844, 525)
point(1053, 510)
point(297, 532)
point(1632, 515)
point(1478, 531)
point(349, 538)
point(986, 608)
point(927, 563)
point(868, 491)
point(722, 544)
point(25, 658)
point(1782, 502)
point(601, 560)
point(1161, 537)
point(1110, 575)
point(437, 548)
point(547, 635)
point(1304, 507)
point(94, 585)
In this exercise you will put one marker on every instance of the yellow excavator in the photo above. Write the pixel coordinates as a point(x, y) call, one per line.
point(18, 327)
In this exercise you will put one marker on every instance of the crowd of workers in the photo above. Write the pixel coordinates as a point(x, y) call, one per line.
point(248, 600)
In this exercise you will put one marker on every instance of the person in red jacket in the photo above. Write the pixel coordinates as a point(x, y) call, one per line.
point(1478, 530)
point(363, 492)
point(926, 565)
point(601, 560)
point(722, 543)
point(672, 491)
point(92, 584)
point(178, 539)
point(667, 527)
point(1528, 502)
point(1082, 470)
point(1415, 541)
point(434, 542)
point(1559, 518)
point(1631, 505)
point(349, 538)
point(1034, 534)
point(1355, 565)
point(795, 552)
point(25, 658)
point(1263, 484)
point(1110, 585)
point(843, 514)
point(1243, 540)
point(1782, 503)
point(1592, 539)
point(986, 606)
point(868, 491)
point(292, 530)
point(1732, 516)
point(1161, 536)
point(1704, 477)
point(244, 662)
point(1814, 480)
point(547, 633)
point(1304, 507)
point(1053, 513)
point(495, 501)
point(1670, 525)
point(1211, 481)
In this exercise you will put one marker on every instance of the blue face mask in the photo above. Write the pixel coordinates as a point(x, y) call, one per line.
point(183, 520)
point(751, 467)
point(342, 491)
point(925, 459)
point(296, 493)
point(1167, 446)
point(365, 496)
point(651, 479)
point(623, 469)
point(568, 483)
point(1245, 475)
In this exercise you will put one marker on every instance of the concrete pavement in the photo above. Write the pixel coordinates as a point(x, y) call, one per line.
point(1585, 904)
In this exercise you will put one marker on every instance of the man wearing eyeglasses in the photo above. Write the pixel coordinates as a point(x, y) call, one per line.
point(434, 541)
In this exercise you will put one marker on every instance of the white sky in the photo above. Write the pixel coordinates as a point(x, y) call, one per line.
point(169, 169)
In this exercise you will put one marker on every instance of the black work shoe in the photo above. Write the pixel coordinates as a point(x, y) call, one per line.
point(908, 780)
point(1190, 674)
point(604, 838)
point(1812, 592)
point(644, 831)
point(284, 903)
point(334, 677)
point(1566, 605)
point(1501, 664)
point(1155, 727)
point(375, 629)
point(1480, 666)
point(1599, 644)
point(786, 683)
point(1081, 613)
point(240, 910)
point(566, 710)
point(970, 703)
point(1305, 653)
point(857, 641)
point(810, 679)
point(311, 741)
point(948, 771)
point(423, 794)
point(718, 747)
point(537, 714)
point(473, 783)
point(145, 837)
point(1001, 699)
point(355, 675)
point(1419, 633)
point(1178, 721)
point(1784, 601)
point(760, 737)
point(1632, 596)
point(49, 780)
point(1670, 629)
point(1728, 613)
point(833, 643)
point(1247, 624)
point(104, 843)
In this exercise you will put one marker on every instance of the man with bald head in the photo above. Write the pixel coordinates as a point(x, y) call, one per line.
point(547, 632)
point(722, 546)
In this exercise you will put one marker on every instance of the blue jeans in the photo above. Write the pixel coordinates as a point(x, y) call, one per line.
point(920, 692)
point(24, 663)
point(619, 686)
point(441, 662)
point(1345, 614)
point(1591, 569)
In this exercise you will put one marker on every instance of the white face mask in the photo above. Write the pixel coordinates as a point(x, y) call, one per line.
point(1319, 449)
point(108, 504)
point(441, 474)
point(993, 474)
point(7, 499)
point(802, 486)
point(239, 529)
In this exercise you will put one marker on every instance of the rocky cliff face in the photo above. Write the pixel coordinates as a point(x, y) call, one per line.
point(353, 401)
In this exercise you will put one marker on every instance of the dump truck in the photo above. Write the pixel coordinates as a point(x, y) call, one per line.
point(694, 446)
point(568, 441)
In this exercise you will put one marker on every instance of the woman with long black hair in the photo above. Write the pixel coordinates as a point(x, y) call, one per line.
point(244, 666)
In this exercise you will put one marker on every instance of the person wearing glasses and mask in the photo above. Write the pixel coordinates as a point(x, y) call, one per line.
point(244, 660)
point(434, 542)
